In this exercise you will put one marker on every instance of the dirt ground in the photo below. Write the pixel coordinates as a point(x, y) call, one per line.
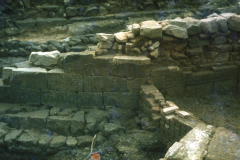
point(216, 110)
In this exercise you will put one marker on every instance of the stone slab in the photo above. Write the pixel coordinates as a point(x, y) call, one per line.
point(79, 63)
point(60, 81)
point(59, 98)
point(59, 124)
point(6, 75)
point(35, 78)
point(224, 145)
point(77, 125)
point(90, 99)
point(25, 96)
point(195, 142)
point(103, 65)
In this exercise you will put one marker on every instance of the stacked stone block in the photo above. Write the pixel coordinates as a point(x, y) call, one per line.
point(172, 123)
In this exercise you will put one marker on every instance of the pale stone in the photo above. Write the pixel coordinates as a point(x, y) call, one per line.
point(154, 46)
point(193, 26)
point(151, 29)
point(178, 22)
point(209, 25)
point(176, 31)
point(183, 114)
point(128, 48)
point(121, 37)
point(105, 37)
point(234, 23)
point(154, 53)
point(195, 143)
point(6, 75)
point(44, 58)
point(171, 104)
point(130, 35)
point(105, 45)
point(71, 141)
point(136, 29)
point(128, 28)
point(141, 60)
point(173, 150)
point(169, 110)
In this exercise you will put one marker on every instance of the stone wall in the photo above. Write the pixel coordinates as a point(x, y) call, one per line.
point(84, 79)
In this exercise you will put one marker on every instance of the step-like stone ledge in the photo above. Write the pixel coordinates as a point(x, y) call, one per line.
point(131, 60)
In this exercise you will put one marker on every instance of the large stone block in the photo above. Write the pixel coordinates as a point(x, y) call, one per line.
point(222, 57)
point(26, 23)
point(200, 136)
point(224, 145)
point(209, 25)
point(25, 95)
point(193, 26)
point(79, 63)
point(103, 65)
point(28, 142)
point(105, 37)
point(220, 48)
point(123, 100)
point(59, 98)
point(38, 119)
point(27, 120)
point(19, 120)
point(191, 52)
point(59, 124)
point(131, 66)
point(159, 71)
point(29, 78)
point(90, 99)
point(108, 84)
point(225, 87)
point(176, 31)
point(44, 58)
point(77, 126)
point(151, 29)
point(60, 81)
point(199, 89)
point(5, 92)
point(6, 75)
point(234, 23)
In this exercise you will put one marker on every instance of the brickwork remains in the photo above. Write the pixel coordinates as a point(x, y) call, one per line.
point(173, 123)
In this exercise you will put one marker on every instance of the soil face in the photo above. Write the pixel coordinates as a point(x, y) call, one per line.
point(216, 110)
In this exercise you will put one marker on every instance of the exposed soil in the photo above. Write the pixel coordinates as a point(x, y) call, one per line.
point(216, 110)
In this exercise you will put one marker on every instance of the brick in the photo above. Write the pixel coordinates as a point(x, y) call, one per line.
point(171, 104)
point(170, 110)
point(156, 110)
point(183, 114)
